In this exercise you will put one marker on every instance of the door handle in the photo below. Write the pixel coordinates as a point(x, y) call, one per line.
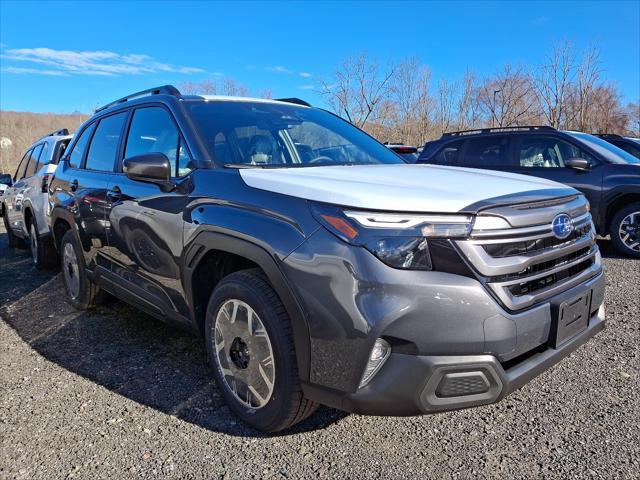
point(74, 185)
point(115, 193)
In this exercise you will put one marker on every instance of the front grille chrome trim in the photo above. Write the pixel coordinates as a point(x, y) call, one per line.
point(538, 265)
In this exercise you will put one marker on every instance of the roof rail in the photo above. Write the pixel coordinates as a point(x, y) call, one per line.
point(164, 89)
point(294, 100)
point(62, 131)
point(497, 129)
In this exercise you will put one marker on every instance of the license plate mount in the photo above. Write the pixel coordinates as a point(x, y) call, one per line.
point(571, 317)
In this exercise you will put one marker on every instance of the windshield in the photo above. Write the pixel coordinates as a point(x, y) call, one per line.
point(604, 148)
point(263, 134)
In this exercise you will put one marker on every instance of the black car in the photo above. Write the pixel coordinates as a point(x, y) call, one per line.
point(628, 144)
point(608, 176)
point(319, 267)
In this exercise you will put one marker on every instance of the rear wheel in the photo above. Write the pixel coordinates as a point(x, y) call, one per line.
point(82, 292)
point(625, 230)
point(43, 252)
point(14, 241)
point(250, 346)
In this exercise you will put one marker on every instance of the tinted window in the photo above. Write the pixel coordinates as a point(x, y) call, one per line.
point(44, 155)
point(75, 159)
point(609, 151)
point(627, 147)
point(282, 135)
point(104, 144)
point(547, 152)
point(23, 164)
point(449, 154)
point(33, 161)
point(153, 131)
point(486, 152)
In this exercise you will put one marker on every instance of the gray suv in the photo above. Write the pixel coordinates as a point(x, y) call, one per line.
point(24, 203)
point(318, 267)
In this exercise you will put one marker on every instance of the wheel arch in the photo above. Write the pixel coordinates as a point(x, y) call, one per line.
point(225, 247)
point(60, 223)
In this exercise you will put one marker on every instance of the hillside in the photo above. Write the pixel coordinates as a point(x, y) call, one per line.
point(23, 128)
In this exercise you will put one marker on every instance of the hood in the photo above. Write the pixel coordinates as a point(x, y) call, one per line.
point(404, 188)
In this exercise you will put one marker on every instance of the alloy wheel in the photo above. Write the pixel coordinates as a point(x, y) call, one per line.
point(243, 353)
point(71, 270)
point(629, 231)
point(33, 242)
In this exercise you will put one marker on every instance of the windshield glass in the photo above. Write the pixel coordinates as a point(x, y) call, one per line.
point(604, 148)
point(263, 134)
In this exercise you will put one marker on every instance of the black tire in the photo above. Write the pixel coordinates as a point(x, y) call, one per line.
point(624, 246)
point(85, 294)
point(287, 404)
point(43, 252)
point(14, 241)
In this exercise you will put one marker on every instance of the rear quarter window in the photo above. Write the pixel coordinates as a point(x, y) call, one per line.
point(449, 154)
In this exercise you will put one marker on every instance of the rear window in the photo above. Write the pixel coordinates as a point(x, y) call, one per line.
point(75, 158)
point(486, 152)
point(33, 161)
point(104, 144)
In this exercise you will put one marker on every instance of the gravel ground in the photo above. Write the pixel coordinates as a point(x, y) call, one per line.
point(115, 394)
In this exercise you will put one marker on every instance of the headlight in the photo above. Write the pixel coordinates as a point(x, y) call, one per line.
point(399, 240)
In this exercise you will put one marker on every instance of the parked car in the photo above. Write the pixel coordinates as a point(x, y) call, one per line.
point(318, 266)
point(5, 181)
point(628, 144)
point(24, 204)
point(407, 152)
point(608, 176)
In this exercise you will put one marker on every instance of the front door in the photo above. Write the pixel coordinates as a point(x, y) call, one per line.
point(544, 156)
point(145, 224)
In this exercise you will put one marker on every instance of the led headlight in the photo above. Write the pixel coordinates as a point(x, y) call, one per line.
point(379, 354)
point(399, 240)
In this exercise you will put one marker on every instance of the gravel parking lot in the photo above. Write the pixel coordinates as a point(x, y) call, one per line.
point(115, 394)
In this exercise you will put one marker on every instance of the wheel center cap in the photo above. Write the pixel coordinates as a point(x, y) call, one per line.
point(239, 353)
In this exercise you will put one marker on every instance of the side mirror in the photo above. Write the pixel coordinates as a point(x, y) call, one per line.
point(150, 168)
point(5, 179)
point(578, 163)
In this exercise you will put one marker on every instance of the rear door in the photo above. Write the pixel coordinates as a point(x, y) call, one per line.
point(10, 196)
point(145, 224)
point(91, 164)
point(545, 155)
point(20, 189)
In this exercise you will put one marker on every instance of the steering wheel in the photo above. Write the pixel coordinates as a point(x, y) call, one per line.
point(322, 158)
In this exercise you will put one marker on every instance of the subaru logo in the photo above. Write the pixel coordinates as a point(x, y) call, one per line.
point(562, 226)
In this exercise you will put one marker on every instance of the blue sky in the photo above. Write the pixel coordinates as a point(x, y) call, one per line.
point(67, 56)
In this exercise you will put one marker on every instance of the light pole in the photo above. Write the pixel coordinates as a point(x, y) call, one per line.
point(493, 120)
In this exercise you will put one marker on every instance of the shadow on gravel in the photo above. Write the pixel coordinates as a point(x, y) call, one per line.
point(122, 350)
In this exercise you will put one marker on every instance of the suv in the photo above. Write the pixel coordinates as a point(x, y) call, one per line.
point(317, 265)
point(608, 176)
point(24, 203)
point(628, 144)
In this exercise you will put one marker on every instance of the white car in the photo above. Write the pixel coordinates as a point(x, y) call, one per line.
point(25, 200)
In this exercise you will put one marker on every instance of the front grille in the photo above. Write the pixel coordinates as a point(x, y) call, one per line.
point(526, 265)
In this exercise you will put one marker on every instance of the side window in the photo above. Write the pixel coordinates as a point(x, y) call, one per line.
point(547, 152)
point(101, 155)
point(44, 155)
point(153, 131)
point(33, 161)
point(449, 154)
point(75, 158)
point(487, 152)
point(21, 166)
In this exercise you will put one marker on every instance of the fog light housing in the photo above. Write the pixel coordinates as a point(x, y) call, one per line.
point(379, 354)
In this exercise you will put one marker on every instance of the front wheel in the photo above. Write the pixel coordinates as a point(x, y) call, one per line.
point(250, 346)
point(625, 230)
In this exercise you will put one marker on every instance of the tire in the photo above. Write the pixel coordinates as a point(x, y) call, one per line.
point(261, 350)
point(83, 293)
point(14, 241)
point(43, 253)
point(625, 230)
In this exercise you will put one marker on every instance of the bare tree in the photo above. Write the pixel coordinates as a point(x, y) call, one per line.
point(588, 75)
point(445, 104)
point(357, 88)
point(408, 88)
point(508, 97)
point(552, 81)
point(468, 111)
